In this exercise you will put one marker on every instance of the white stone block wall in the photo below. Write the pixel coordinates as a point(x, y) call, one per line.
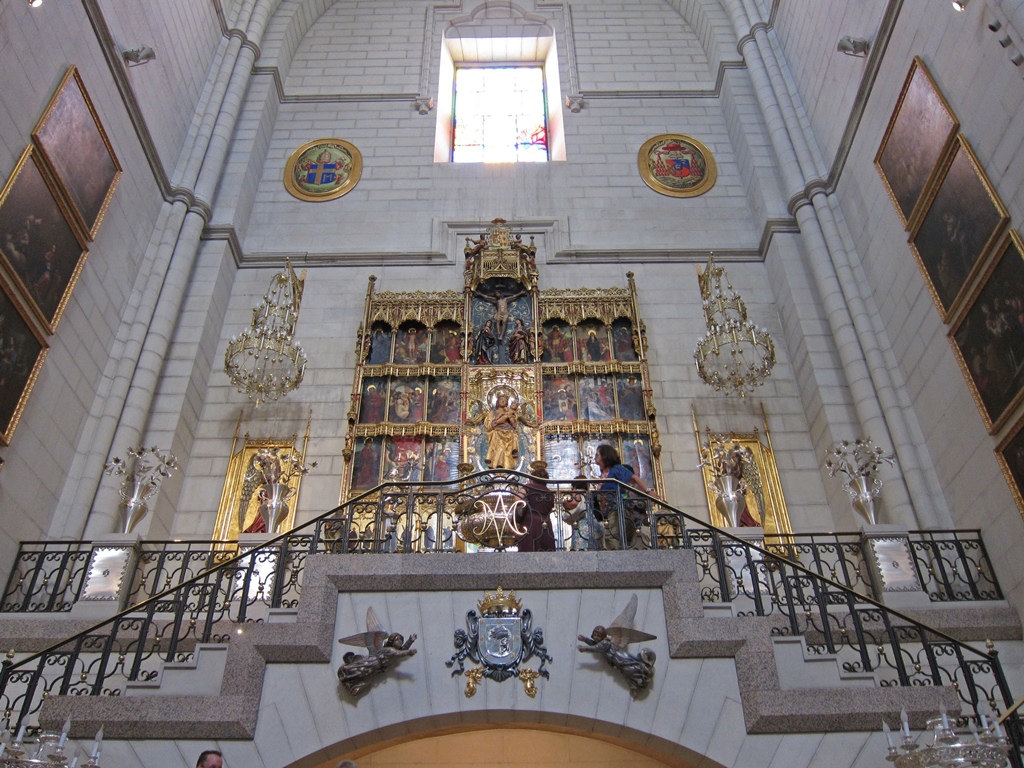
point(953, 429)
point(693, 704)
point(405, 199)
point(36, 48)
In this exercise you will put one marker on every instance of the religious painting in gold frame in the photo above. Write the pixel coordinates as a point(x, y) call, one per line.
point(919, 133)
point(765, 500)
point(71, 138)
point(239, 501)
point(21, 342)
point(1010, 454)
point(323, 169)
point(43, 252)
point(677, 166)
point(591, 341)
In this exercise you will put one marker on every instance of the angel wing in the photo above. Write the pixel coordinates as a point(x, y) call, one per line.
point(621, 631)
point(374, 636)
point(250, 481)
point(753, 481)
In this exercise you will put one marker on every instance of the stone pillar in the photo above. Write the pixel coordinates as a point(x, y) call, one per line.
point(255, 576)
point(180, 245)
point(741, 581)
point(890, 562)
point(870, 367)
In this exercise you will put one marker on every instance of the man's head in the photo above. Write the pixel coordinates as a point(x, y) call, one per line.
point(211, 758)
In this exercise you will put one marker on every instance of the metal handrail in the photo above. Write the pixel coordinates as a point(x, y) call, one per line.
point(803, 580)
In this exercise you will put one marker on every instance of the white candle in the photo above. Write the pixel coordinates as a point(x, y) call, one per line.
point(906, 722)
point(96, 744)
point(74, 762)
point(945, 720)
point(21, 734)
point(64, 732)
point(888, 734)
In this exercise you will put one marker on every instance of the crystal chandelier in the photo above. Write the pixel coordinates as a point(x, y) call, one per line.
point(735, 355)
point(985, 749)
point(44, 748)
point(264, 361)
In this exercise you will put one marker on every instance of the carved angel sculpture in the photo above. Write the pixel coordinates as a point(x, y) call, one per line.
point(385, 649)
point(611, 642)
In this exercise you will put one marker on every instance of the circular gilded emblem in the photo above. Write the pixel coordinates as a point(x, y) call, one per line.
point(323, 169)
point(677, 165)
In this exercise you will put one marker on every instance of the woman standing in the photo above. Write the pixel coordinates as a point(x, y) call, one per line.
point(612, 468)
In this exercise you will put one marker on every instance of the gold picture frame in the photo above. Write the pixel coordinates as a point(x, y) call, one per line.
point(322, 170)
point(24, 349)
point(919, 133)
point(1010, 455)
point(765, 500)
point(71, 138)
point(961, 221)
point(676, 165)
point(42, 252)
point(989, 355)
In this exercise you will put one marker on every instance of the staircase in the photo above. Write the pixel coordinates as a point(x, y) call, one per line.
point(724, 597)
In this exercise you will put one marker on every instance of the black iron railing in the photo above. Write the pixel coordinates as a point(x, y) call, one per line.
point(817, 585)
point(954, 566)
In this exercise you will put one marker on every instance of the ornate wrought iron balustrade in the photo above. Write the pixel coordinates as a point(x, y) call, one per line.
point(790, 579)
point(46, 577)
point(954, 566)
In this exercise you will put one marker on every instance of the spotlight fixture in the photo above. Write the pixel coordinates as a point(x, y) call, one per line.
point(135, 57)
point(995, 25)
point(34, 3)
point(853, 46)
point(960, 5)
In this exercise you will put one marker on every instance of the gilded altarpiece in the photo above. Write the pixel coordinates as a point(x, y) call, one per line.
point(501, 376)
point(239, 510)
point(765, 503)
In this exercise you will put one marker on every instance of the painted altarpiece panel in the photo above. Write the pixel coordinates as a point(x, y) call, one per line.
point(240, 499)
point(765, 501)
point(500, 343)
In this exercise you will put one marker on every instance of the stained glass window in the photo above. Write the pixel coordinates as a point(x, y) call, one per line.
point(500, 115)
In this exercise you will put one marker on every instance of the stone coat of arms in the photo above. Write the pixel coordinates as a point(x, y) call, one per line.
point(500, 639)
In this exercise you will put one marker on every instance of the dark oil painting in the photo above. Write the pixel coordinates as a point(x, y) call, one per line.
point(990, 338)
point(962, 223)
point(76, 147)
point(921, 127)
point(39, 244)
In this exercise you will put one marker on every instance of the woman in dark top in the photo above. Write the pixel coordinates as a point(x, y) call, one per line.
point(535, 517)
point(608, 507)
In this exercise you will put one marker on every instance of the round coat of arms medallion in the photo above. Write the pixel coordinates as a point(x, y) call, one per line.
point(677, 165)
point(323, 169)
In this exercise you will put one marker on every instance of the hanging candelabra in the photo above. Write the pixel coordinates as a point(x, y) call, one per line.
point(987, 748)
point(44, 749)
point(734, 356)
point(264, 361)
